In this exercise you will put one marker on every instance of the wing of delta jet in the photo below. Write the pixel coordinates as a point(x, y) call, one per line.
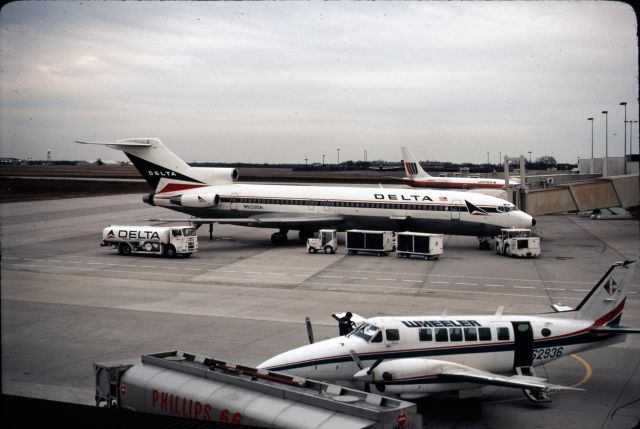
point(275, 220)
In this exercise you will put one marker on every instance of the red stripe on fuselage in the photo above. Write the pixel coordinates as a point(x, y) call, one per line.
point(173, 187)
point(457, 184)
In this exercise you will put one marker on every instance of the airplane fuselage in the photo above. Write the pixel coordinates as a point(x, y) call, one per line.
point(449, 212)
point(417, 349)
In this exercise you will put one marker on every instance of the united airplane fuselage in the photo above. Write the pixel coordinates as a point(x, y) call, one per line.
point(448, 212)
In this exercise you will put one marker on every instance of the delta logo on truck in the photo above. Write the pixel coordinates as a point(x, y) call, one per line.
point(152, 240)
point(134, 235)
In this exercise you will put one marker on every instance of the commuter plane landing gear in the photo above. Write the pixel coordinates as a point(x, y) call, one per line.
point(280, 237)
point(484, 243)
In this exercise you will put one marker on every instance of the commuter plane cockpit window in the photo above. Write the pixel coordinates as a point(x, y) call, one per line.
point(366, 331)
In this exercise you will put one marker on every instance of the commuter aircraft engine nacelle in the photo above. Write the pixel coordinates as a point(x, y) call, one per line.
point(211, 195)
point(419, 178)
point(416, 356)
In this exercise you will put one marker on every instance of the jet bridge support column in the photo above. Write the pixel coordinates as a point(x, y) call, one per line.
point(514, 192)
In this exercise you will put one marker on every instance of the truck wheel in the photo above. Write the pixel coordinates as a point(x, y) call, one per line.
point(328, 249)
point(170, 251)
point(497, 249)
point(507, 250)
point(313, 250)
point(124, 249)
point(148, 247)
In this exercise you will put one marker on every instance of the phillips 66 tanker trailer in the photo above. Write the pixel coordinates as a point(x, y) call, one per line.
point(186, 385)
point(151, 240)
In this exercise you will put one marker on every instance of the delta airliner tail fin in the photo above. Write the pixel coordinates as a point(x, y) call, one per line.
point(605, 302)
point(164, 170)
point(411, 165)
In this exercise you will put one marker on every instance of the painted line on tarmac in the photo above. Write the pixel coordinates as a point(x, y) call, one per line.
point(588, 369)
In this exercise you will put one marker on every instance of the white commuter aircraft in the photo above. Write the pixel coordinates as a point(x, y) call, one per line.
point(211, 195)
point(416, 356)
point(419, 178)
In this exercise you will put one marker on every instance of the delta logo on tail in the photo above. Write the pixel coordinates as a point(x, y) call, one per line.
point(474, 210)
point(153, 173)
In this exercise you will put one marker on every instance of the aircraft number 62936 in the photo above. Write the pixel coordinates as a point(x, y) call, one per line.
point(547, 352)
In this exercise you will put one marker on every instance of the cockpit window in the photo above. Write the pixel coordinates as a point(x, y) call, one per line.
point(366, 331)
point(506, 208)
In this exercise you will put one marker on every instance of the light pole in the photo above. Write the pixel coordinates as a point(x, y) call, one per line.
point(529, 157)
point(323, 159)
point(631, 136)
point(365, 155)
point(500, 157)
point(624, 103)
point(591, 164)
point(305, 161)
point(606, 142)
point(338, 156)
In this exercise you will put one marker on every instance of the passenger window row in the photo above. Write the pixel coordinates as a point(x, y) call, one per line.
point(353, 204)
point(462, 334)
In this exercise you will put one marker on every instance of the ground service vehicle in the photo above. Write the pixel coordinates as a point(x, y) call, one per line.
point(151, 240)
point(422, 244)
point(379, 242)
point(181, 384)
point(517, 242)
point(327, 240)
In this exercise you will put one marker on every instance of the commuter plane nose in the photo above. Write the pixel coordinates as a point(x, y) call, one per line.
point(533, 221)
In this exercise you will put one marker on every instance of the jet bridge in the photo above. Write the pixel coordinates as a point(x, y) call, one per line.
point(186, 385)
point(613, 191)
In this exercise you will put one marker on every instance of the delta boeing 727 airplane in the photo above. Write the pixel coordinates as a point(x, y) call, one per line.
point(212, 196)
point(414, 356)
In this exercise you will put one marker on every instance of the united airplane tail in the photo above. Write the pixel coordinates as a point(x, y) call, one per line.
point(163, 170)
point(411, 165)
point(605, 302)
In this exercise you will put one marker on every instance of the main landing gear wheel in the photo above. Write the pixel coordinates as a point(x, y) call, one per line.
point(279, 237)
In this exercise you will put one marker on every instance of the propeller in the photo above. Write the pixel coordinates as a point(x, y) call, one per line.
point(365, 373)
point(307, 322)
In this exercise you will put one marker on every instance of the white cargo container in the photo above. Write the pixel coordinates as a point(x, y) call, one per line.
point(379, 242)
point(186, 385)
point(517, 242)
point(152, 240)
point(429, 246)
point(327, 241)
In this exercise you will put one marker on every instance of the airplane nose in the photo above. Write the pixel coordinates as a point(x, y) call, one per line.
point(533, 221)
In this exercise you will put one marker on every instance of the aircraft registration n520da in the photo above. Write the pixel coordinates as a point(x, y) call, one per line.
point(211, 195)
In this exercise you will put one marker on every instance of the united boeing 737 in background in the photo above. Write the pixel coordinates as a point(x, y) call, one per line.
point(417, 177)
point(211, 195)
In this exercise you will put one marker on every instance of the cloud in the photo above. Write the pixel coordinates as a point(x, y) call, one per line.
point(272, 82)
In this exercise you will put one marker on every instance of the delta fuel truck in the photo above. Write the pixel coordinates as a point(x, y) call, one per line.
point(151, 240)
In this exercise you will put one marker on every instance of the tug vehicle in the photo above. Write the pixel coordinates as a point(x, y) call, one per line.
point(327, 240)
point(518, 242)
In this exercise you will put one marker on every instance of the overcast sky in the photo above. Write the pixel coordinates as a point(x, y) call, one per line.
point(281, 81)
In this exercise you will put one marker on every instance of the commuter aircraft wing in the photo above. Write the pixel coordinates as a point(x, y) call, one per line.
point(419, 178)
point(212, 195)
point(416, 356)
